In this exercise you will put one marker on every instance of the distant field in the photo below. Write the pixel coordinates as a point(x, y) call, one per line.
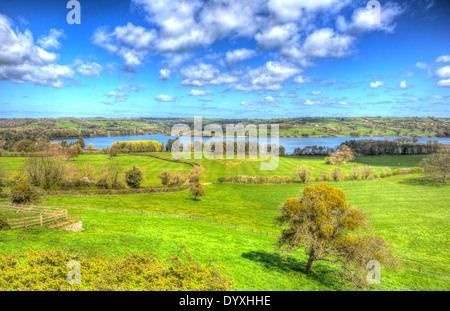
point(151, 166)
point(213, 169)
point(413, 216)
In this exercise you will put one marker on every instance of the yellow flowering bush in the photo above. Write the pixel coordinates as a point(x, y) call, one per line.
point(47, 271)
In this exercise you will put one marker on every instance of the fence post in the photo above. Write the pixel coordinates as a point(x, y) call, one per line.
point(55, 216)
point(25, 220)
point(41, 220)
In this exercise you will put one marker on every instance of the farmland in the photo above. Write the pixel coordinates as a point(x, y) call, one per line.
point(235, 222)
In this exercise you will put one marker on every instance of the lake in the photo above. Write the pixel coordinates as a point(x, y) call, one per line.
point(289, 143)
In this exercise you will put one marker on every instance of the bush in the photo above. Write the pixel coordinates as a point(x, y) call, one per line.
point(23, 193)
point(47, 271)
point(355, 172)
point(302, 173)
point(133, 177)
point(325, 175)
point(368, 172)
point(4, 222)
point(337, 174)
point(386, 172)
point(221, 180)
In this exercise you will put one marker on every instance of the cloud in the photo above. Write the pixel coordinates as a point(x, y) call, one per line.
point(131, 87)
point(293, 10)
point(164, 74)
point(316, 92)
point(276, 37)
point(301, 79)
point(165, 98)
point(267, 77)
point(365, 20)
point(444, 83)
point(122, 92)
point(443, 59)
point(51, 41)
point(239, 55)
point(376, 84)
point(443, 72)
point(131, 43)
point(421, 65)
point(403, 85)
point(88, 69)
point(21, 61)
point(199, 93)
point(265, 101)
point(325, 43)
point(204, 74)
point(119, 97)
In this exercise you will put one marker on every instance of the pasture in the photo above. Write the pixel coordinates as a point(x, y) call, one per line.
point(412, 215)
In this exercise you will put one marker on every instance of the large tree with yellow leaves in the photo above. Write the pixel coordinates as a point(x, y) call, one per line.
point(331, 230)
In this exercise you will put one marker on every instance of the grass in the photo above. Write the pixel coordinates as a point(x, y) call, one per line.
point(151, 166)
point(213, 169)
point(412, 215)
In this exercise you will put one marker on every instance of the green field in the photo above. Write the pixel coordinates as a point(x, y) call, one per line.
point(413, 216)
point(151, 166)
point(213, 169)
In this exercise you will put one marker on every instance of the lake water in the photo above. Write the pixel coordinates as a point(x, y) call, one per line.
point(289, 143)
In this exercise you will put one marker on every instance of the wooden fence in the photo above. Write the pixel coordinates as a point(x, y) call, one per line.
point(43, 216)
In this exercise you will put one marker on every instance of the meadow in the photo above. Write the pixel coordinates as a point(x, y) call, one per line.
point(213, 169)
point(412, 215)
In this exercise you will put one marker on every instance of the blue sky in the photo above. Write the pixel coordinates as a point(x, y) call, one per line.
point(225, 59)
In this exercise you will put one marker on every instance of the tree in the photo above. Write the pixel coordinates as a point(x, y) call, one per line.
point(436, 167)
point(91, 147)
point(25, 145)
point(341, 156)
point(81, 143)
point(331, 230)
point(197, 190)
point(45, 171)
point(133, 177)
point(303, 173)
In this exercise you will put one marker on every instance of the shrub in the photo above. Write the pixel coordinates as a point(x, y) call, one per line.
point(355, 172)
point(302, 173)
point(141, 272)
point(4, 222)
point(221, 180)
point(23, 193)
point(368, 172)
point(133, 177)
point(337, 174)
point(386, 172)
point(325, 175)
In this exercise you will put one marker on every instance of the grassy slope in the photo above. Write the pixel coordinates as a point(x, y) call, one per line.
point(412, 215)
